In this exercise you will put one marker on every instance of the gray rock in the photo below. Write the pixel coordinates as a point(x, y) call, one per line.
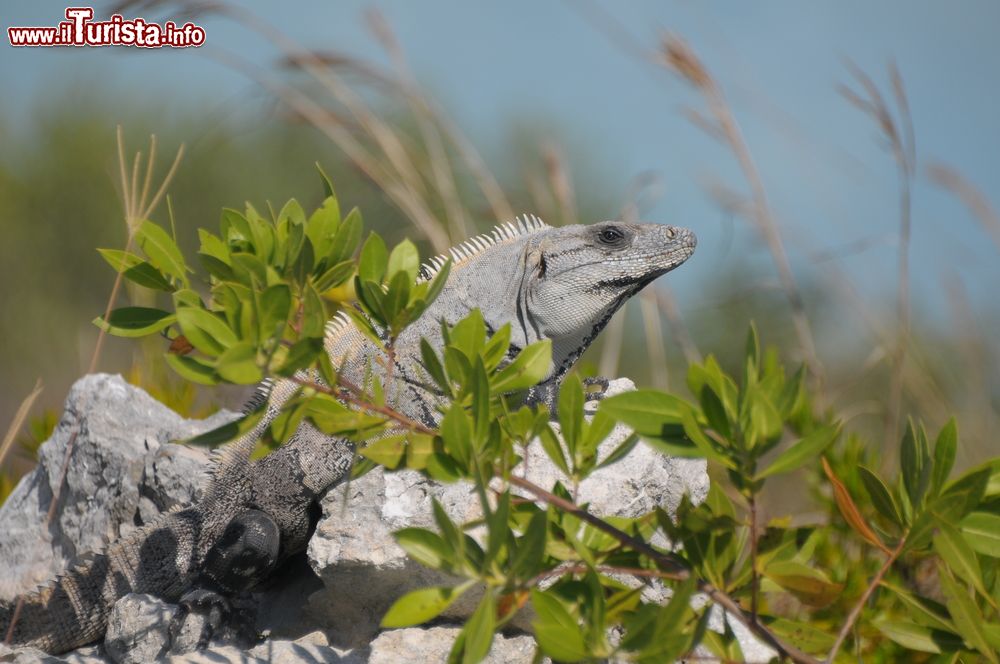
point(122, 473)
point(125, 471)
point(354, 548)
point(138, 629)
point(432, 645)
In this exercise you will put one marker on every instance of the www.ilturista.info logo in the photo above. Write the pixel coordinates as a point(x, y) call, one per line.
point(80, 30)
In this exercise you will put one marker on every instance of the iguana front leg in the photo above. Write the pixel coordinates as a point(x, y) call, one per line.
point(245, 554)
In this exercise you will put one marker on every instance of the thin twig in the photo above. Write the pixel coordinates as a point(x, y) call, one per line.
point(856, 611)
point(754, 577)
point(670, 564)
point(355, 395)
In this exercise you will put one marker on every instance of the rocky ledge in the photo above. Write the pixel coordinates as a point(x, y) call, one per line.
point(325, 607)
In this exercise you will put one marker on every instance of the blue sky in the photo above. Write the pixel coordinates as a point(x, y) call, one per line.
point(830, 181)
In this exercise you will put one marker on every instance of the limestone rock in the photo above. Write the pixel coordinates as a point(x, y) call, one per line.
point(123, 471)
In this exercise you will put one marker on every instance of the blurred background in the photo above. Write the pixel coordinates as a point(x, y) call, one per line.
point(837, 161)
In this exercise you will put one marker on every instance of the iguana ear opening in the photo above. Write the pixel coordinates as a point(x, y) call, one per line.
point(534, 260)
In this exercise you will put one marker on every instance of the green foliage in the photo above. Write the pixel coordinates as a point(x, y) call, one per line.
point(272, 284)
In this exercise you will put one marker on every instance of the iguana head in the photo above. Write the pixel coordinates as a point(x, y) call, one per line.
point(576, 277)
point(562, 284)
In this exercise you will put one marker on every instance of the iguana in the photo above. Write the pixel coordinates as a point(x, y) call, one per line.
point(556, 283)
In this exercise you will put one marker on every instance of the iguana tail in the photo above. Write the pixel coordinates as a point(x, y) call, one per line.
point(70, 612)
point(73, 610)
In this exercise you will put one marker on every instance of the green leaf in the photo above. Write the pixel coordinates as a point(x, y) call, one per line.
point(914, 459)
point(499, 530)
point(302, 353)
point(469, 335)
point(531, 547)
point(419, 606)
point(275, 305)
point(881, 496)
point(556, 630)
point(347, 239)
point(327, 183)
point(386, 452)
point(571, 413)
point(335, 276)
point(553, 449)
point(647, 412)
point(808, 584)
point(480, 386)
point(437, 284)
point(229, 431)
point(456, 432)
point(396, 300)
point(424, 546)
point(478, 631)
point(924, 611)
point(967, 616)
point(529, 368)
point(206, 331)
point(192, 369)
point(802, 634)
point(982, 531)
point(917, 637)
point(944, 455)
point(715, 412)
point(373, 261)
point(313, 313)
point(162, 250)
point(450, 533)
point(238, 364)
point(956, 552)
point(496, 347)
point(759, 418)
point(432, 364)
point(807, 449)
point(404, 258)
point(753, 346)
point(620, 452)
point(147, 276)
point(119, 260)
point(135, 321)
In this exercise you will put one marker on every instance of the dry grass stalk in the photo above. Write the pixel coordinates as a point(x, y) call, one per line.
point(137, 206)
point(972, 348)
point(19, 418)
point(611, 344)
point(902, 144)
point(392, 164)
point(441, 168)
point(970, 195)
point(677, 56)
point(654, 338)
point(559, 183)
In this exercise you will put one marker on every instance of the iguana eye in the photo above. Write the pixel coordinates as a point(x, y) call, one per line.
point(610, 235)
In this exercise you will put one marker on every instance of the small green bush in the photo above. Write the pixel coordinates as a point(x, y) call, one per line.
point(892, 569)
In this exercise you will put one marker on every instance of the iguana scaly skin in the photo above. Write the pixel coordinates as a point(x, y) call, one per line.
point(561, 284)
